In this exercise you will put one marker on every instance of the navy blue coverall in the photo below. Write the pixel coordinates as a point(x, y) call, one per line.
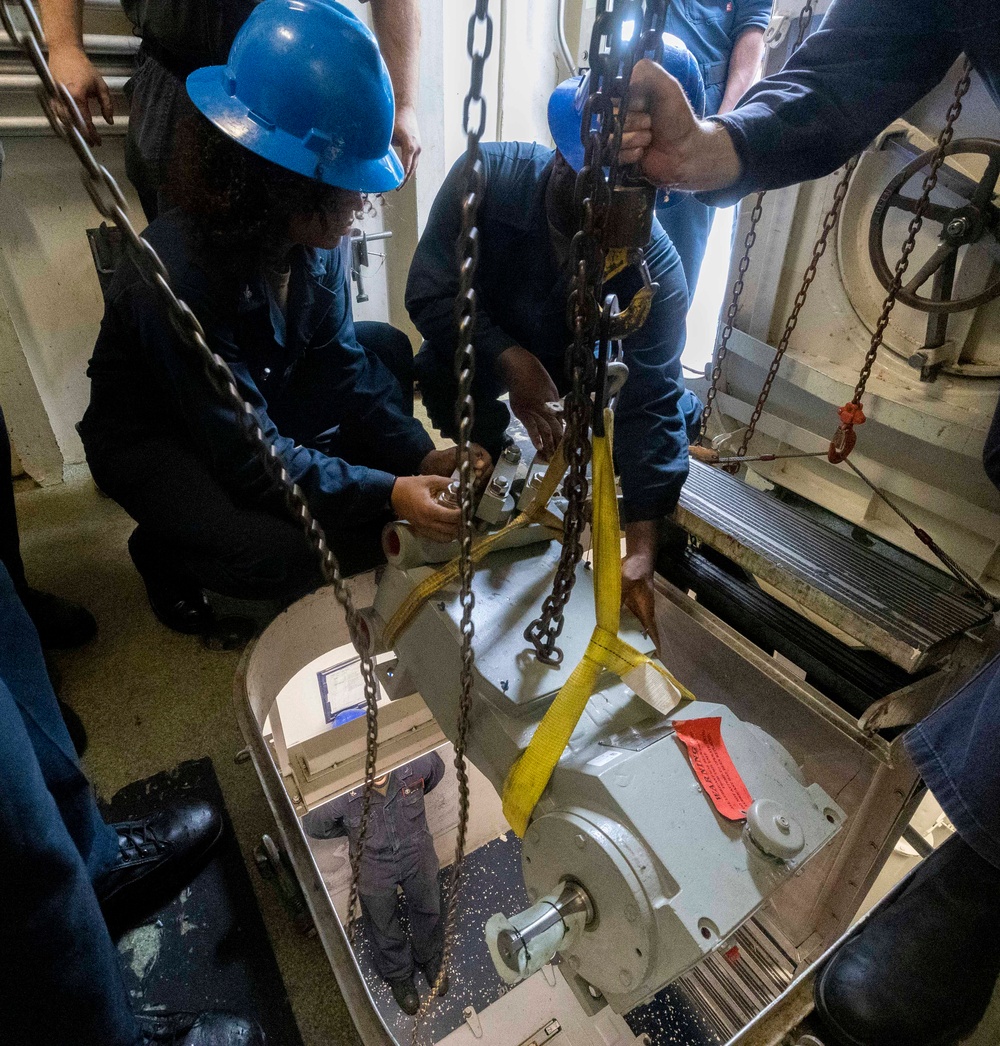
point(710, 28)
point(866, 65)
point(522, 295)
point(399, 851)
point(171, 451)
point(62, 985)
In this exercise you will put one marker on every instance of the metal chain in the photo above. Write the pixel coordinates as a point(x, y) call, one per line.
point(916, 222)
point(829, 224)
point(957, 571)
point(109, 200)
point(805, 19)
point(467, 255)
point(722, 347)
point(612, 55)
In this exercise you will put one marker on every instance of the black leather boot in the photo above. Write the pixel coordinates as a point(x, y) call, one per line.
point(198, 1029)
point(157, 854)
point(176, 598)
point(404, 991)
point(60, 624)
point(921, 971)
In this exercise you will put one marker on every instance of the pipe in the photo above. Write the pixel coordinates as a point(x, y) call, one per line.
point(39, 127)
point(567, 55)
point(93, 43)
point(28, 82)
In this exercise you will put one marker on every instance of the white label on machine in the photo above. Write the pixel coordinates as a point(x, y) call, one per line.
point(653, 687)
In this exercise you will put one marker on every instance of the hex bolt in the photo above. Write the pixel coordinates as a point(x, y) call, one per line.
point(958, 226)
point(500, 485)
point(512, 454)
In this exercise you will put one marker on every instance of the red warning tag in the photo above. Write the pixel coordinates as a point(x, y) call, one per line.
point(713, 766)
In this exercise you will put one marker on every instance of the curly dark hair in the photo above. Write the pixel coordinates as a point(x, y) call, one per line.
point(241, 201)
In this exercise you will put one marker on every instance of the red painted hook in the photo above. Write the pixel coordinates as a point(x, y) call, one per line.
point(845, 437)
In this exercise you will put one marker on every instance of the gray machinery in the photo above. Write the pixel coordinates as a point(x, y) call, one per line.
point(634, 875)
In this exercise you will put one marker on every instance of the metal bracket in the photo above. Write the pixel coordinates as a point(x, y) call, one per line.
point(359, 259)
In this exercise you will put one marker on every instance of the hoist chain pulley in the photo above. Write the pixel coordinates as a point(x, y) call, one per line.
point(613, 53)
point(68, 124)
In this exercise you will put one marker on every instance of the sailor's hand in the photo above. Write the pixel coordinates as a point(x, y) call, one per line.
point(673, 148)
point(532, 394)
point(70, 66)
point(444, 463)
point(406, 139)
point(414, 498)
point(637, 575)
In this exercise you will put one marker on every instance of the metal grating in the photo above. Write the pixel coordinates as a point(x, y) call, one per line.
point(911, 620)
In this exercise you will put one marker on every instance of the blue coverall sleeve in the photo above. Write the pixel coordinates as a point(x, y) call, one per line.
point(651, 444)
point(864, 67)
point(433, 280)
point(326, 822)
point(335, 490)
point(433, 772)
point(751, 14)
point(376, 426)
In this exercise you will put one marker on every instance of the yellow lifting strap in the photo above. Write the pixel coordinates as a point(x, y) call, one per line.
point(537, 512)
point(530, 774)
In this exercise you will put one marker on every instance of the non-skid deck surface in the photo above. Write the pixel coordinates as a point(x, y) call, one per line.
point(207, 948)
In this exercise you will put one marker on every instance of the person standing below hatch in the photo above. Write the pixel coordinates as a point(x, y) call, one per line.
point(398, 853)
point(726, 38)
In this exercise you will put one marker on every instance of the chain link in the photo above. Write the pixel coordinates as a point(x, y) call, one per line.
point(68, 124)
point(722, 347)
point(916, 223)
point(467, 257)
point(805, 20)
point(613, 53)
point(829, 224)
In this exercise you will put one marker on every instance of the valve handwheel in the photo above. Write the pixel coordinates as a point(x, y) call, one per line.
point(977, 221)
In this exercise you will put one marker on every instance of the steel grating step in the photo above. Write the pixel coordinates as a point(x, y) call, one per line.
point(909, 619)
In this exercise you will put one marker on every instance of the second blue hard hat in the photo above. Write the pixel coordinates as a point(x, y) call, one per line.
point(306, 88)
point(567, 100)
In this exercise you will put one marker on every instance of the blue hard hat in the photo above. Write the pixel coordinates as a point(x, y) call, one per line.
point(567, 101)
point(306, 88)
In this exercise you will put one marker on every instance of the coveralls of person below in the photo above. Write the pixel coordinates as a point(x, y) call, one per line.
point(868, 63)
point(522, 291)
point(399, 852)
point(710, 29)
point(172, 452)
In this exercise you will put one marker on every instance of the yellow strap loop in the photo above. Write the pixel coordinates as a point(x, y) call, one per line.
point(606, 650)
point(537, 512)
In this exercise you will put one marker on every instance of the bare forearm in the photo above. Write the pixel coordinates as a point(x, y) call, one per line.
point(397, 26)
point(744, 67)
point(63, 23)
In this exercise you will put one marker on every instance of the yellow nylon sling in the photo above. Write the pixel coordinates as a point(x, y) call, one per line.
point(537, 512)
point(530, 774)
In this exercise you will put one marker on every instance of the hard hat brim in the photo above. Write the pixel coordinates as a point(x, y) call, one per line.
point(564, 122)
point(207, 90)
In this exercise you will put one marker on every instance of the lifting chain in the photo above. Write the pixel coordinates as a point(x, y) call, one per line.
point(722, 345)
point(467, 257)
point(613, 53)
point(852, 413)
point(829, 224)
point(108, 198)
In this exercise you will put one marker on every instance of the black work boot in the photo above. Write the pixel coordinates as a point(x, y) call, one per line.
point(921, 971)
point(198, 1029)
point(404, 991)
point(431, 970)
point(60, 624)
point(176, 598)
point(157, 854)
